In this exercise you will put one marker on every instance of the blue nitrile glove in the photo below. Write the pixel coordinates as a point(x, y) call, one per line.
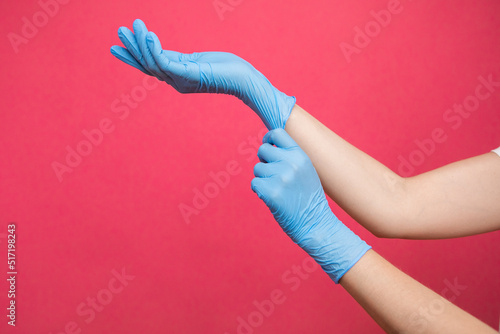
point(205, 72)
point(287, 182)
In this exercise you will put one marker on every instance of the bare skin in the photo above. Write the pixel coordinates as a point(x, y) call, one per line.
point(456, 200)
point(459, 199)
point(400, 304)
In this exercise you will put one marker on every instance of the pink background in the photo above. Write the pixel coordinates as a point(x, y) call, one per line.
point(119, 208)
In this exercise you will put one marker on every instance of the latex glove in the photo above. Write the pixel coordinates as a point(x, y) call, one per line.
point(287, 182)
point(205, 72)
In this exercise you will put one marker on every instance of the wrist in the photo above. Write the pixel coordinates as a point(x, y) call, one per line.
point(287, 108)
point(270, 104)
point(295, 117)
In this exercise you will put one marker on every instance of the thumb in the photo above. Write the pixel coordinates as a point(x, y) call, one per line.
point(280, 138)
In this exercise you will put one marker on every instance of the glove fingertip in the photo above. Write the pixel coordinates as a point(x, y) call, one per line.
point(125, 33)
point(151, 41)
point(254, 186)
point(266, 137)
point(138, 23)
point(151, 35)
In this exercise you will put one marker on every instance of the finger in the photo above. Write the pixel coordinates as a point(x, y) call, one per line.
point(265, 169)
point(128, 39)
point(280, 138)
point(171, 55)
point(140, 32)
point(125, 56)
point(155, 48)
point(261, 188)
point(269, 153)
point(167, 61)
point(266, 189)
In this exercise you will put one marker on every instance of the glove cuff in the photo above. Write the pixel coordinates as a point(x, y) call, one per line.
point(286, 110)
point(271, 105)
point(335, 248)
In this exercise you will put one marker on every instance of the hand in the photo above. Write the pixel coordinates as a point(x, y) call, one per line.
point(205, 72)
point(287, 182)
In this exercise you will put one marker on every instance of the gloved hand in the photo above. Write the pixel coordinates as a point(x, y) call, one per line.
point(206, 72)
point(287, 182)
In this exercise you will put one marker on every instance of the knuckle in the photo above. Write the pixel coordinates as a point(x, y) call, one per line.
point(274, 194)
point(302, 162)
point(288, 175)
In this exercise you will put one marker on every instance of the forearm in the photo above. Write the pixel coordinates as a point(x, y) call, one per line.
point(399, 304)
point(370, 192)
point(459, 199)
